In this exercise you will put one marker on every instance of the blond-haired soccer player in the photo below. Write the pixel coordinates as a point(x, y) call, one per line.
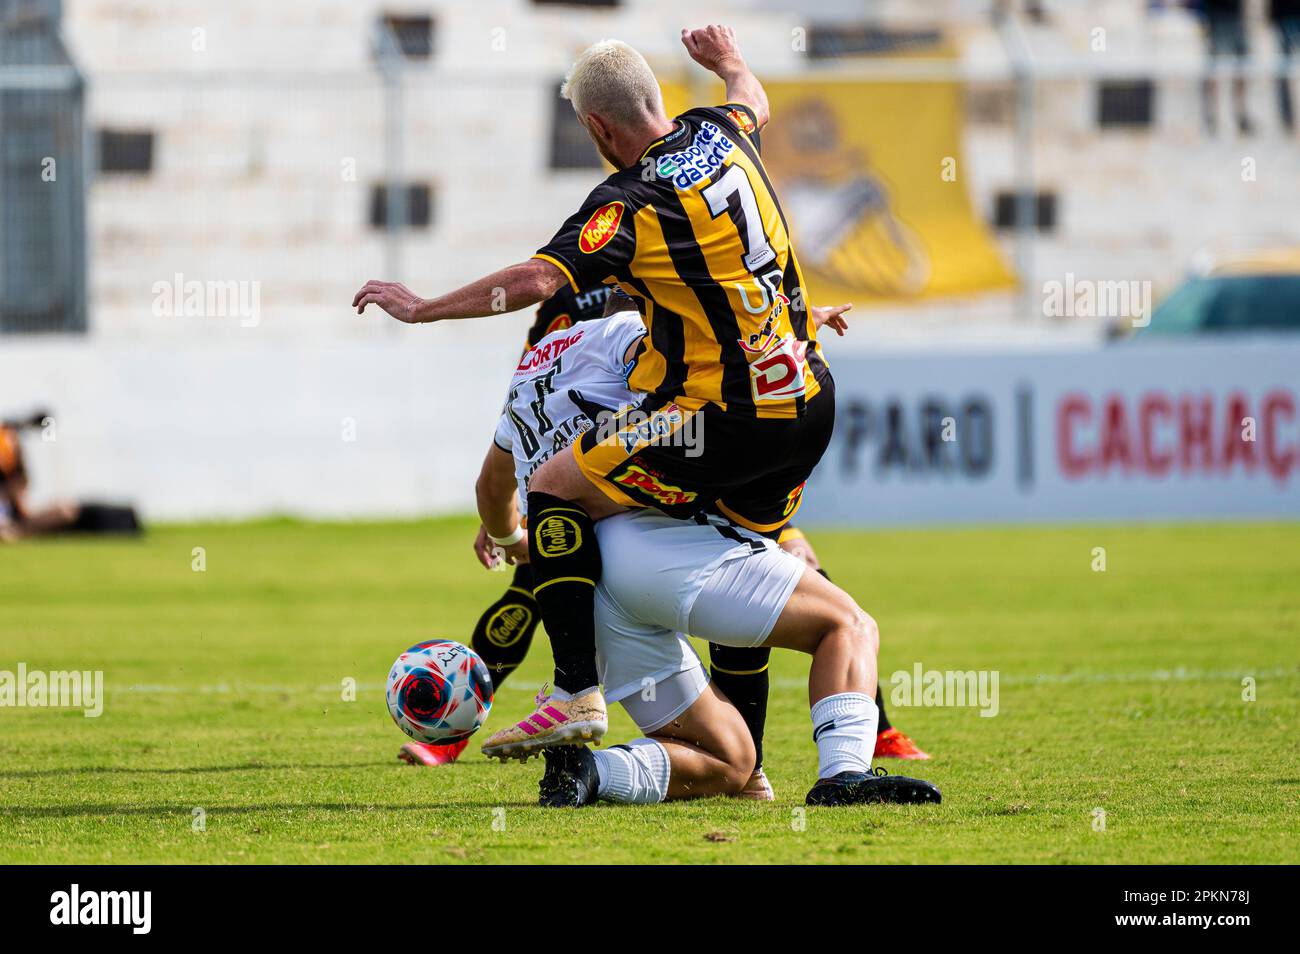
point(690, 226)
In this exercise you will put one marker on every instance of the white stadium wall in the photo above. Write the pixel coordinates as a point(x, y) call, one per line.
point(1130, 432)
point(397, 426)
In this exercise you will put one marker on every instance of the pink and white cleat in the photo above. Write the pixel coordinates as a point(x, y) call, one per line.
point(570, 721)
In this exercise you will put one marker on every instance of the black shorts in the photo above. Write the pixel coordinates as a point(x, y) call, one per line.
point(684, 457)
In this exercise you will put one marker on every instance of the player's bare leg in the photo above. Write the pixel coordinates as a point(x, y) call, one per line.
point(709, 747)
point(890, 742)
point(822, 620)
point(705, 751)
point(563, 506)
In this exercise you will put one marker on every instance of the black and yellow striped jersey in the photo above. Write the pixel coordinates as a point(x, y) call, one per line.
point(695, 233)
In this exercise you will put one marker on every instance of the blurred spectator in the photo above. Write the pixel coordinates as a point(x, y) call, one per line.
point(17, 519)
point(1225, 29)
point(1285, 17)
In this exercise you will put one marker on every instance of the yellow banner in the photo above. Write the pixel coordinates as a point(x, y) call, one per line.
point(871, 180)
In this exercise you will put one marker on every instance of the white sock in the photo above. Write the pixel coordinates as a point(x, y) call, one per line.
point(636, 773)
point(844, 728)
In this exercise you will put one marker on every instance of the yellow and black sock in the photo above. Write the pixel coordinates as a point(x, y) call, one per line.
point(565, 560)
point(741, 675)
point(504, 632)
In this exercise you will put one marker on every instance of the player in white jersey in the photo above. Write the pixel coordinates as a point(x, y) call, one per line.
point(563, 385)
point(662, 578)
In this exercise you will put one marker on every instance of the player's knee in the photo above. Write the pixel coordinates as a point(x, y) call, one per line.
point(869, 630)
point(851, 624)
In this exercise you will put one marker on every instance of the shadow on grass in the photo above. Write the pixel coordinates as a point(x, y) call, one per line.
point(218, 811)
point(217, 769)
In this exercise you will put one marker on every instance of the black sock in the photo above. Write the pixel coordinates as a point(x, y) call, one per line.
point(741, 675)
point(884, 722)
point(565, 560)
point(504, 632)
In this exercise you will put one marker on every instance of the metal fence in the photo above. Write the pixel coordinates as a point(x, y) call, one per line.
point(42, 175)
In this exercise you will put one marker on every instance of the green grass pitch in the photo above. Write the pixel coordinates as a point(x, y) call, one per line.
point(1120, 690)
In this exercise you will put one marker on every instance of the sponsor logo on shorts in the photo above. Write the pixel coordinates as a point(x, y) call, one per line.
point(601, 227)
point(648, 485)
point(508, 623)
point(659, 424)
point(792, 503)
point(557, 536)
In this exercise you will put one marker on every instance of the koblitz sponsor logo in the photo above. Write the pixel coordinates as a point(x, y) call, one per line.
point(558, 323)
point(507, 624)
point(693, 165)
point(601, 227)
point(557, 536)
point(659, 424)
point(643, 482)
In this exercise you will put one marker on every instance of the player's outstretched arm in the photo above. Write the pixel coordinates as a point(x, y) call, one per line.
point(714, 47)
point(509, 289)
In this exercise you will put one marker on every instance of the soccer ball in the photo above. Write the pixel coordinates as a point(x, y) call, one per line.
point(439, 691)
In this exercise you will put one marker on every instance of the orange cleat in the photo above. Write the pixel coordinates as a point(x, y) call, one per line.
point(421, 753)
point(892, 744)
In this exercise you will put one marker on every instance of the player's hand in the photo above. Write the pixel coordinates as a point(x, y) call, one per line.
point(833, 316)
point(493, 556)
point(516, 553)
point(485, 549)
point(714, 47)
point(394, 297)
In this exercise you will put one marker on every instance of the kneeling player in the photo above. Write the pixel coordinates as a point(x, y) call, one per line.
point(748, 592)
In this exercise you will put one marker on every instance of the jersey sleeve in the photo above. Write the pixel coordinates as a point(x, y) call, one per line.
point(504, 437)
point(618, 331)
point(595, 242)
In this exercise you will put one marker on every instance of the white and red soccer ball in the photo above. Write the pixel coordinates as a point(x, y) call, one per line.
point(439, 691)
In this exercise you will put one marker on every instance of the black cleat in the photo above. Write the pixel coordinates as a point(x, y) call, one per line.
point(571, 777)
point(858, 788)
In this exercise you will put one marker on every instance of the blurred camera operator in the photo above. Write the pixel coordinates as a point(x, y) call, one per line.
point(17, 519)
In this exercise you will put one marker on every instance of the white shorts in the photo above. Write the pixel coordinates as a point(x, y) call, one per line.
point(663, 578)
